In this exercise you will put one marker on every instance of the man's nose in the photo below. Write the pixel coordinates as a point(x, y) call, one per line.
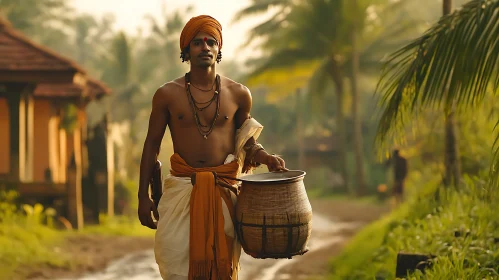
point(205, 46)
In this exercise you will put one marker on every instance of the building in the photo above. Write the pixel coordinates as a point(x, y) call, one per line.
point(43, 123)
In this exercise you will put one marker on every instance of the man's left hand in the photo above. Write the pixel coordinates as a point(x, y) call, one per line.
point(275, 163)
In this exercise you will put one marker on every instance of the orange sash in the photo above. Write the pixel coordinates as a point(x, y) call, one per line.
point(210, 250)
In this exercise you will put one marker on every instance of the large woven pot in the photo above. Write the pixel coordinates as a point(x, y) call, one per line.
point(274, 215)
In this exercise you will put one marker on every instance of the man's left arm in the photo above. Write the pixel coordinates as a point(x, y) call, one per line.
point(255, 153)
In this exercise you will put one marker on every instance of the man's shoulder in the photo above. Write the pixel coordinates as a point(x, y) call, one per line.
point(171, 87)
point(167, 92)
point(176, 84)
point(236, 87)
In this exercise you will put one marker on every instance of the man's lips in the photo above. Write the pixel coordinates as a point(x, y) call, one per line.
point(205, 56)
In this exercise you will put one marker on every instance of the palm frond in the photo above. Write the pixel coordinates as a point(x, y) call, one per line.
point(319, 86)
point(284, 58)
point(452, 63)
point(265, 28)
point(258, 7)
point(155, 26)
point(318, 81)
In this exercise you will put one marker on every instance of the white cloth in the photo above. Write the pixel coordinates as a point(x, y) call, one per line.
point(171, 246)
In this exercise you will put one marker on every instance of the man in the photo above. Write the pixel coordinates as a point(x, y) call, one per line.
point(399, 164)
point(214, 141)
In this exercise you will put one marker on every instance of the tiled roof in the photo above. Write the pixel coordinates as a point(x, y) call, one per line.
point(18, 53)
point(58, 90)
point(97, 88)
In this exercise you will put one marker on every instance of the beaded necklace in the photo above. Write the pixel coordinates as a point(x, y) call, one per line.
point(204, 130)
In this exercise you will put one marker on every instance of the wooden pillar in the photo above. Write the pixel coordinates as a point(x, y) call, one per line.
point(74, 183)
point(110, 169)
point(26, 135)
point(300, 130)
point(63, 160)
point(54, 142)
point(30, 136)
point(22, 138)
point(84, 140)
point(21, 116)
point(13, 100)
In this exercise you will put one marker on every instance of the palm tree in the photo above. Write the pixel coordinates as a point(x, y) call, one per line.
point(45, 21)
point(357, 134)
point(308, 31)
point(452, 161)
point(327, 32)
point(32, 16)
point(449, 67)
point(87, 31)
point(162, 46)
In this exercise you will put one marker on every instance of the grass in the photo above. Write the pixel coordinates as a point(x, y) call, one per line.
point(427, 224)
point(28, 245)
point(25, 240)
point(28, 238)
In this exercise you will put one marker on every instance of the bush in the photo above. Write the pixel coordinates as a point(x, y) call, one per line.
point(461, 228)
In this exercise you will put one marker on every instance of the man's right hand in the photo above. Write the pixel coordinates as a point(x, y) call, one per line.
point(146, 206)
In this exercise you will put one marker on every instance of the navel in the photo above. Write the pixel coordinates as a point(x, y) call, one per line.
point(181, 116)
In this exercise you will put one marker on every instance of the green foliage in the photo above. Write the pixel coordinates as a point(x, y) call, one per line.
point(35, 15)
point(443, 68)
point(428, 224)
point(27, 237)
point(70, 117)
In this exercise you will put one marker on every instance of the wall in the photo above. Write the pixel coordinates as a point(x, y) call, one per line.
point(43, 112)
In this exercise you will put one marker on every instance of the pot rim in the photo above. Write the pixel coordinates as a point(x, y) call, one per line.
point(253, 178)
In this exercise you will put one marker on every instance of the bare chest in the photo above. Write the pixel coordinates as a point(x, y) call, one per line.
point(203, 111)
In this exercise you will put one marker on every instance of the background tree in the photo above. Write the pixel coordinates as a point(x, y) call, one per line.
point(451, 67)
point(336, 40)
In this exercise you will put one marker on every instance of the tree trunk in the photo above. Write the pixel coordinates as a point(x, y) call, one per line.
point(299, 130)
point(357, 122)
point(452, 161)
point(337, 77)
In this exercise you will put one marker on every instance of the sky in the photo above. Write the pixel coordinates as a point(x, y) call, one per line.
point(130, 14)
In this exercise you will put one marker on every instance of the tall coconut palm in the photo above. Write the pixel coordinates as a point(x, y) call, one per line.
point(452, 161)
point(161, 52)
point(321, 31)
point(308, 31)
point(450, 67)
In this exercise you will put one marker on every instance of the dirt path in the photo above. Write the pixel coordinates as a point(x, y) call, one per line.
point(110, 258)
point(89, 253)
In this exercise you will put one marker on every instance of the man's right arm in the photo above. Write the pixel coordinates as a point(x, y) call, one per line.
point(158, 122)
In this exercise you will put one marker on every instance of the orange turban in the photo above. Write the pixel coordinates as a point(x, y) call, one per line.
point(198, 24)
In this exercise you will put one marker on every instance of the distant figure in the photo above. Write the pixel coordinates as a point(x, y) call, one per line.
point(399, 164)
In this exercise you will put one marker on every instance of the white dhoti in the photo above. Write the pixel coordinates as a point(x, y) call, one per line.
point(173, 231)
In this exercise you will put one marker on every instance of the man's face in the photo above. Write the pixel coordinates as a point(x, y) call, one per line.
point(203, 50)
